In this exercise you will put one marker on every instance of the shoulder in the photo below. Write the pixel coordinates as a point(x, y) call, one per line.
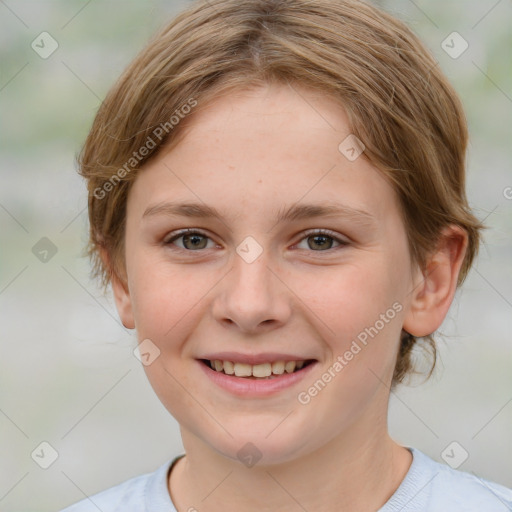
point(467, 491)
point(130, 495)
point(131, 491)
point(441, 488)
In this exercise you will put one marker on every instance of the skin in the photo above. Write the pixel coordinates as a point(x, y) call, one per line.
point(250, 155)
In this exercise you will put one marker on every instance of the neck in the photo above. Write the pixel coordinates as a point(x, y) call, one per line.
point(358, 470)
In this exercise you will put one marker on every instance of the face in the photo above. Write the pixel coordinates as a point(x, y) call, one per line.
point(307, 261)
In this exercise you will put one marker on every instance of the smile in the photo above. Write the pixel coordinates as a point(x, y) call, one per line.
point(260, 380)
point(267, 370)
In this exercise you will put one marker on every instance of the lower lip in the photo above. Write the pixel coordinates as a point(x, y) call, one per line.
point(250, 388)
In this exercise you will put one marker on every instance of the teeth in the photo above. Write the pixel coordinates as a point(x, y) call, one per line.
point(289, 366)
point(263, 370)
point(278, 368)
point(229, 368)
point(243, 370)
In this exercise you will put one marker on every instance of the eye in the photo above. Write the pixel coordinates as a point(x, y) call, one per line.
point(321, 240)
point(193, 240)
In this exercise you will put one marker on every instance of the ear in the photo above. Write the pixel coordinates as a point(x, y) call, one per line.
point(121, 293)
point(435, 286)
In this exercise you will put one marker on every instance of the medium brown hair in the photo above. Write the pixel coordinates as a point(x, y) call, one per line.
point(398, 102)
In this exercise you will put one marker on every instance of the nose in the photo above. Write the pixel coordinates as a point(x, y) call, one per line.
point(252, 297)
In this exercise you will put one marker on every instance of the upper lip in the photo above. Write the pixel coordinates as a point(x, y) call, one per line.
point(252, 359)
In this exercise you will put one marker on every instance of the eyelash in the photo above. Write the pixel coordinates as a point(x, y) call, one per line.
point(307, 234)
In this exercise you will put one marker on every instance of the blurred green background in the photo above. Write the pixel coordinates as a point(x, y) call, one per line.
point(68, 375)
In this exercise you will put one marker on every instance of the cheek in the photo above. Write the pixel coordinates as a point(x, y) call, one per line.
point(360, 312)
point(350, 298)
point(167, 300)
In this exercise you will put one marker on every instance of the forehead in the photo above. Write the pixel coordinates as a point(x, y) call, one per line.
point(260, 150)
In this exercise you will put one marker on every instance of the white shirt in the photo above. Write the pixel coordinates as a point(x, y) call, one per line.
point(428, 486)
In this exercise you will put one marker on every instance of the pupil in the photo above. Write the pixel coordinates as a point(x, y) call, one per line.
point(322, 238)
point(195, 240)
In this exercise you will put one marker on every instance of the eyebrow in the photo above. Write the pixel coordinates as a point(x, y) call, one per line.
point(292, 213)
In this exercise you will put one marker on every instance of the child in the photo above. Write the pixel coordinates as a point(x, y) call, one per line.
point(276, 195)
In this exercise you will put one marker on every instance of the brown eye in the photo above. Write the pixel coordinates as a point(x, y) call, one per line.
point(322, 241)
point(191, 240)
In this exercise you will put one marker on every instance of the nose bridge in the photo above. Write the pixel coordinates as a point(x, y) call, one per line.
point(251, 294)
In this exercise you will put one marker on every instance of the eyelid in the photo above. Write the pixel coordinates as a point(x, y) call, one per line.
point(327, 232)
point(176, 234)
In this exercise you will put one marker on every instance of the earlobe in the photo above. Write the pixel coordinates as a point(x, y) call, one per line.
point(436, 285)
point(121, 294)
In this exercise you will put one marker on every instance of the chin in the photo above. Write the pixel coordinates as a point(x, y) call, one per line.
point(260, 445)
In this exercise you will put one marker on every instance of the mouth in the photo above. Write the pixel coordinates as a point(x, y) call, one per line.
point(254, 376)
point(262, 371)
